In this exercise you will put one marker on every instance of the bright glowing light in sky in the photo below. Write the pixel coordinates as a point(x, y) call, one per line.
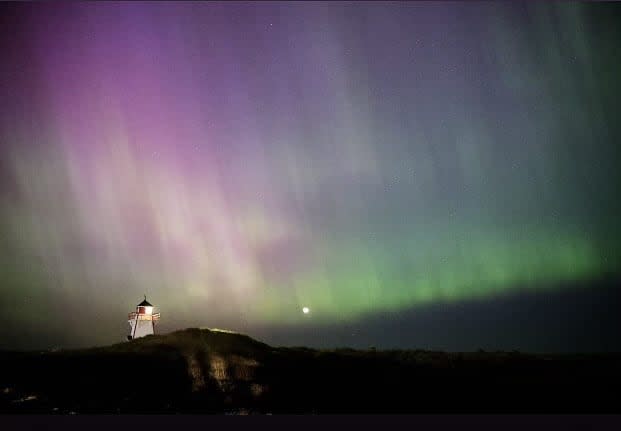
point(355, 158)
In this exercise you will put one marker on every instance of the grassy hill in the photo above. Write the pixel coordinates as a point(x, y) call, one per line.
point(209, 371)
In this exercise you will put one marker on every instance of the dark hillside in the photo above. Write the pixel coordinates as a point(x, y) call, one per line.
point(199, 370)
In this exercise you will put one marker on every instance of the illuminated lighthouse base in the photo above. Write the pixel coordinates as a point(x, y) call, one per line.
point(142, 321)
point(140, 327)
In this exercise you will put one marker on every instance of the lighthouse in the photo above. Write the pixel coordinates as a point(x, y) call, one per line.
point(142, 321)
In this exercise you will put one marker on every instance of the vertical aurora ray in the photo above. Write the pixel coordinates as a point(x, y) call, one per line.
point(238, 162)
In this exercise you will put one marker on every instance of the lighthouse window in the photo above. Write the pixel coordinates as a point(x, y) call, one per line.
point(148, 310)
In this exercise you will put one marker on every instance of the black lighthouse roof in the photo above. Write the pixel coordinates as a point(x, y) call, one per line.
point(145, 303)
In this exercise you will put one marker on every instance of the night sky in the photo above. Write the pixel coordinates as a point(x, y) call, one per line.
point(419, 175)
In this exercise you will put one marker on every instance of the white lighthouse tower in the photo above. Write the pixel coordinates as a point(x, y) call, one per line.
point(142, 321)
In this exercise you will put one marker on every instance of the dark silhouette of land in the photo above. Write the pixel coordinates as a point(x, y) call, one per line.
point(207, 371)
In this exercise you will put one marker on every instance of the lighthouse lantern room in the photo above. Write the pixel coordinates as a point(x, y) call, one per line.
point(142, 321)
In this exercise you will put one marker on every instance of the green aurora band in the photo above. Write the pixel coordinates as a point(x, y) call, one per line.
point(250, 161)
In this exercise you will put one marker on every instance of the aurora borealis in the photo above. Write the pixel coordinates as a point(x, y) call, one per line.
point(239, 161)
